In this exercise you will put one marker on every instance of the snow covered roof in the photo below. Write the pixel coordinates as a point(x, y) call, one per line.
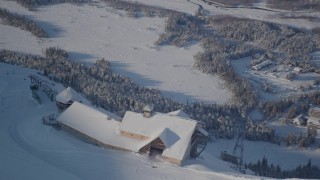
point(297, 69)
point(97, 125)
point(179, 113)
point(314, 121)
point(68, 94)
point(147, 108)
point(261, 65)
point(175, 131)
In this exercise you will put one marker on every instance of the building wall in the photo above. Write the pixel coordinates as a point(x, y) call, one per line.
point(172, 160)
point(133, 135)
point(127, 134)
point(188, 150)
point(88, 138)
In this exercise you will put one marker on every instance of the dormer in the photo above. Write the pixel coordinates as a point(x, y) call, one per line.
point(147, 111)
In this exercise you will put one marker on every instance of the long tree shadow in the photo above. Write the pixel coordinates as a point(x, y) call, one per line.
point(79, 57)
point(51, 29)
point(122, 68)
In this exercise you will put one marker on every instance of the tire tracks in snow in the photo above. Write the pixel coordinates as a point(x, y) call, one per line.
point(16, 136)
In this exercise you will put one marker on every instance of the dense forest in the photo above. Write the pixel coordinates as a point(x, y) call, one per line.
point(263, 168)
point(31, 4)
point(109, 90)
point(295, 5)
point(22, 22)
point(289, 5)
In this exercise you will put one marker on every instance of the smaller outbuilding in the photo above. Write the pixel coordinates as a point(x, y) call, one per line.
point(65, 98)
point(314, 112)
point(262, 65)
point(314, 122)
point(300, 120)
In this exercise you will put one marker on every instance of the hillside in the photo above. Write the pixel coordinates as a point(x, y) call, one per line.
point(221, 62)
point(38, 151)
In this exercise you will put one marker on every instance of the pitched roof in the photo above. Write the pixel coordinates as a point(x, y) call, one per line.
point(68, 94)
point(97, 125)
point(175, 131)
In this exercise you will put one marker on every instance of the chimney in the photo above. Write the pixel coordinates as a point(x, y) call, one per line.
point(147, 110)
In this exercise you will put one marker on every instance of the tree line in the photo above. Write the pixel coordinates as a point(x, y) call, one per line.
point(263, 168)
point(16, 20)
point(294, 5)
point(109, 90)
point(292, 105)
point(31, 4)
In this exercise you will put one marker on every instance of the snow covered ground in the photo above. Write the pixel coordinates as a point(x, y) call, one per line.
point(95, 31)
point(89, 32)
point(38, 151)
point(32, 150)
point(287, 157)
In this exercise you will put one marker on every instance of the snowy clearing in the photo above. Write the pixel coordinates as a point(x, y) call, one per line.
point(89, 32)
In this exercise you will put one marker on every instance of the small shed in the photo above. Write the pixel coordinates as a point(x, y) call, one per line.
point(147, 111)
point(297, 70)
point(300, 120)
point(65, 98)
point(314, 122)
point(262, 65)
point(314, 112)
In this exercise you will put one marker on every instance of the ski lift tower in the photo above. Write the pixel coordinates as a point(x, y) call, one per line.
point(240, 127)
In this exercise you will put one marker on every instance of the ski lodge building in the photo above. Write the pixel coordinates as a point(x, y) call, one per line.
point(173, 136)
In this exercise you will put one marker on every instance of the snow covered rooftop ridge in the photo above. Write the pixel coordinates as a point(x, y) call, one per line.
point(68, 95)
point(97, 125)
point(175, 131)
point(80, 111)
point(179, 113)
